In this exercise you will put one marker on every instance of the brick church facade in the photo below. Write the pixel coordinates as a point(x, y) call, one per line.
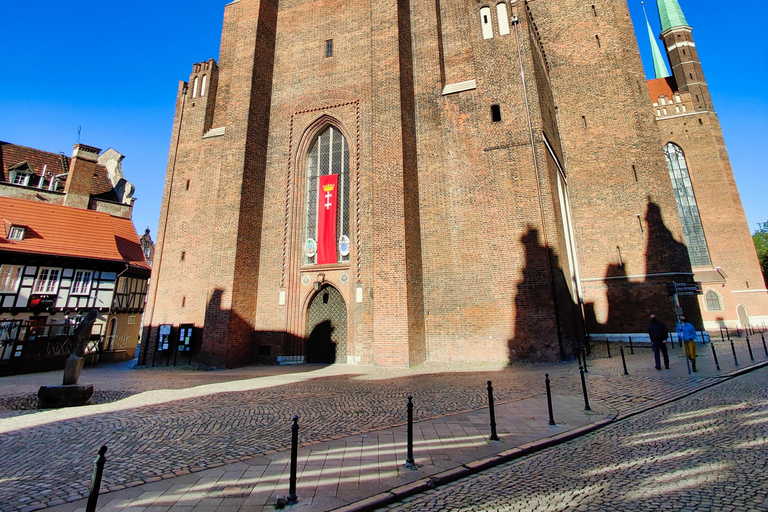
point(441, 181)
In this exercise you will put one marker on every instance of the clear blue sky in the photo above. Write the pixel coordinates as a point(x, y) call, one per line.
point(113, 68)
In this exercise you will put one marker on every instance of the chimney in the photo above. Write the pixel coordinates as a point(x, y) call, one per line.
point(80, 177)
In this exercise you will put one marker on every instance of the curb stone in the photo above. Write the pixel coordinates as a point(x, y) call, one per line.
point(471, 468)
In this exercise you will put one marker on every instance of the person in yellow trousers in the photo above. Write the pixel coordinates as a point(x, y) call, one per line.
point(686, 335)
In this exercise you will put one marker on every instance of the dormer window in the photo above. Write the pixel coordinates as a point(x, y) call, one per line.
point(16, 233)
point(21, 178)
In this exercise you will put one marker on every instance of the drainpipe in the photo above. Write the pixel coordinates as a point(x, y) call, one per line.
point(541, 200)
point(145, 343)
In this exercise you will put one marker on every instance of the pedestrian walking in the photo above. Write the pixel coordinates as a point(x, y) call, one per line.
point(686, 335)
point(658, 333)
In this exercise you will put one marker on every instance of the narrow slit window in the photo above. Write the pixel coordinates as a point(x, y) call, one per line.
point(495, 113)
point(634, 171)
point(597, 39)
point(594, 10)
point(329, 48)
point(194, 88)
point(485, 22)
point(584, 120)
point(202, 86)
point(187, 184)
point(183, 255)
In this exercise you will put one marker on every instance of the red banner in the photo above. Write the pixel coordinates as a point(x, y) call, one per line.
point(326, 219)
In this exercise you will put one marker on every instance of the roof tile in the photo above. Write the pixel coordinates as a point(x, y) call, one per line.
point(71, 232)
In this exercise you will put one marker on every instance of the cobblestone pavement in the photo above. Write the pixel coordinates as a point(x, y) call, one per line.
point(708, 451)
point(230, 416)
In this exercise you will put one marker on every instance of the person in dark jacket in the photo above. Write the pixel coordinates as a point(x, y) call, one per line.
point(658, 333)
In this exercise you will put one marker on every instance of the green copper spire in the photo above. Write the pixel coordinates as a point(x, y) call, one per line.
point(670, 14)
point(659, 64)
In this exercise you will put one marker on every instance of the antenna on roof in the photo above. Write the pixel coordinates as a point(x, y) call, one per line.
point(79, 128)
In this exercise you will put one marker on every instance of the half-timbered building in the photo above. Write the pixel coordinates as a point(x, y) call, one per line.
point(64, 252)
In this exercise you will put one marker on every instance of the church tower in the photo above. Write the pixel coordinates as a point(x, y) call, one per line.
point(677, 36)
point(707, 197)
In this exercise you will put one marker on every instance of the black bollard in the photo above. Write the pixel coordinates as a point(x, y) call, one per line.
point(703, 339)
point(733, 349)
point(409, 462)
point(494, 437)
point(292, 498)
point(749, 347)
point(608, 346)
point(714, 354)
point(549, 399)
point(98, 470)
point(631, 348)
point(672, 340)
point(584, 390)
point(721, 334)
point(727, 332)
point(585, 363)
point(762, 336)
point(623, 360)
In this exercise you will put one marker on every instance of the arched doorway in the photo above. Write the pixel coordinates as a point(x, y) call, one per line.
point(327, 327)
point(743, 316)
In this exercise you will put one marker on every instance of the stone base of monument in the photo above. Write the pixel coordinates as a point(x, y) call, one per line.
point(56, 397)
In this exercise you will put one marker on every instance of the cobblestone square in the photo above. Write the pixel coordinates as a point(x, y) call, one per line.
point(185, 440)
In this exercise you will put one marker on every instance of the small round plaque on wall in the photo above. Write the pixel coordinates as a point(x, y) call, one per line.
point(305, 280)
point(344, 278)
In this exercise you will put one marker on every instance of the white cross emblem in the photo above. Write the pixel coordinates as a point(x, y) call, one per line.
point(328, 197)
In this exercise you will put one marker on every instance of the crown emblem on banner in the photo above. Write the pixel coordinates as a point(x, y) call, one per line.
point(328, 187)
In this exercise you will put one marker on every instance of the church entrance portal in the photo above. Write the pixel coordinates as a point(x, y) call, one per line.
point(327, 327)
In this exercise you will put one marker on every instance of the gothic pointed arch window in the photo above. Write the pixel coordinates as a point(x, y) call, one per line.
point(327, 199)
point(698, 251)
point(713, 301)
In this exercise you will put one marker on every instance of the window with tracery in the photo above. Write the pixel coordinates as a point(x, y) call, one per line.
point(698, 251)
point(329, 155)
point(713, 301)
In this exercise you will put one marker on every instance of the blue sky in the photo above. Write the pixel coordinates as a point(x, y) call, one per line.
point(113, 68)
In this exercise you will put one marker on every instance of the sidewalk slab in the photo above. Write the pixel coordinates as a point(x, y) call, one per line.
point(367, 468)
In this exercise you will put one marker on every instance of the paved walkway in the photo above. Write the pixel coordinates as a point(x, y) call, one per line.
point(339, 472)
point(226, 439)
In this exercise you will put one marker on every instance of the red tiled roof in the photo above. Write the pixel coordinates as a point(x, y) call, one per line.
point(12, 154)
point(662, 87)
point(70, 232)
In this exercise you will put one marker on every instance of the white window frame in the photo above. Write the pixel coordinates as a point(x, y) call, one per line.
point(79, 284)
point(16, 233)
point(24, 177)
point(47, 281)
point(486, 23)
point(10, 278)
point(503, 18)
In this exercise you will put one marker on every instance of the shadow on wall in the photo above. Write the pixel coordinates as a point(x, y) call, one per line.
point(261, 347)
point(547, 323)
point(663, 255)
